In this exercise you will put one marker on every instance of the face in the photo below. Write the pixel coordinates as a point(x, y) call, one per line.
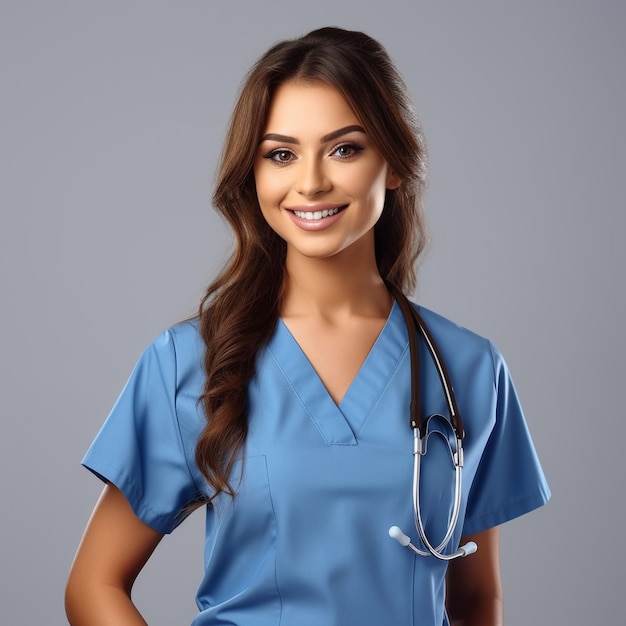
point(320, 181)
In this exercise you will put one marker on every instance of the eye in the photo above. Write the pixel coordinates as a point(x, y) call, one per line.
point(280, 156)
point(347, 150)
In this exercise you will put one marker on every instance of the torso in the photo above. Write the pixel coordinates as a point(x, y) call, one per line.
point(305, 541)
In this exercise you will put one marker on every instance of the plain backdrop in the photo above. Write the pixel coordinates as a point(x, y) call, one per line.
point(112, 116)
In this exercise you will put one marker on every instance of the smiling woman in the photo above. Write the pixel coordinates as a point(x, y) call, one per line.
point(284, 407)
point(317, 171)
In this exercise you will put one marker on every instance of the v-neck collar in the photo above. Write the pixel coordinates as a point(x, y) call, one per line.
point(340, 424)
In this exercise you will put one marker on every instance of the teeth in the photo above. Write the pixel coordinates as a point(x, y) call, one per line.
point(316, 215)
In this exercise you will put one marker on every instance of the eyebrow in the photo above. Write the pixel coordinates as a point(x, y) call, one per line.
point(334, 135)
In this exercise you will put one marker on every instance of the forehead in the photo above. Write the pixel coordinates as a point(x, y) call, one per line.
point(308, 108)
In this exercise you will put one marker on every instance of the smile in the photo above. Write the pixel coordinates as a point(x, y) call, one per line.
point(316, 215)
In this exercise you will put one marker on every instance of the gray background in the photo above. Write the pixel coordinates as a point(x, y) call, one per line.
point(112, 117)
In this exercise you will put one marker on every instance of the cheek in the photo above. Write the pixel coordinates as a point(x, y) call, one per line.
point(370, 185)
point(268, 196)
point(268, 188)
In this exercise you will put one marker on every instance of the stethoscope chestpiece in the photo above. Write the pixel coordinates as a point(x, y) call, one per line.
point(395, 532)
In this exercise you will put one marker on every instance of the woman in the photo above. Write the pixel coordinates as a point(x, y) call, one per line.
point(284, 407)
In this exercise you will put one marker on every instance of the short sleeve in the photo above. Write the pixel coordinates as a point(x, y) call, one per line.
point(139, 448)
point(509, 480)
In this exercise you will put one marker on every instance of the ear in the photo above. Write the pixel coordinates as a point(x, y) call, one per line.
point(393, 180)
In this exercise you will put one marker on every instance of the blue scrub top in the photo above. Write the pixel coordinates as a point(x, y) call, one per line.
point(305, 541)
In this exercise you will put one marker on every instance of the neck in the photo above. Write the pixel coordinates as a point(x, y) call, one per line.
point(345, 284)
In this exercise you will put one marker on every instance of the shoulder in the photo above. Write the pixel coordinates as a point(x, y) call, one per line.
point(180, 343)
point(184, 335)
point(464, 350)
point(448, 331)
point(175, 358)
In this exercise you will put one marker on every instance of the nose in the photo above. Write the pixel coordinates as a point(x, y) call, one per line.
point(312, 178)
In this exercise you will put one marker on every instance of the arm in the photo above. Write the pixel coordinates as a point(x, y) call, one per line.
point(474, 588)
point(114, 549)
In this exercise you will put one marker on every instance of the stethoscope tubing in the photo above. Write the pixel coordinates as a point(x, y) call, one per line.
point(420, 436)
point(456, 509)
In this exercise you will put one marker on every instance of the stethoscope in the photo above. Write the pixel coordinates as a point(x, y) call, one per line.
point(421, 433)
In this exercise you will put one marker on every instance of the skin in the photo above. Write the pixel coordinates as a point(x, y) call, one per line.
point(335, 306)
point(114, 548)
point(474, 584)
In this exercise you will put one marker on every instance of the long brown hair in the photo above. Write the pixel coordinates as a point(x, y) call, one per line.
point(240, 308)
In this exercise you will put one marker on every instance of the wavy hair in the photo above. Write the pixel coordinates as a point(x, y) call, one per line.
point(240, 308)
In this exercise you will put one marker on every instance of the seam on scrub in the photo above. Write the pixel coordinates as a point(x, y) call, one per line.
point(256, 381)
point(492, 352)
point(269, 489)
point(387, 382)
point(178, 428)
point(304, 406)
